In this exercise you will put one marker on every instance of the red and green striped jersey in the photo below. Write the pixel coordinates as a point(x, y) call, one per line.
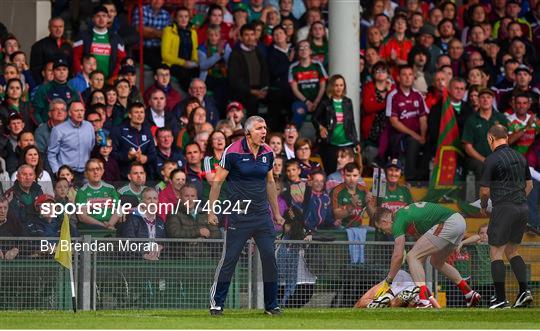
point(308, 78)
point(417, 218)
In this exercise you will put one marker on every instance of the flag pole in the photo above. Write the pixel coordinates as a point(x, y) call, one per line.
point(73, 297)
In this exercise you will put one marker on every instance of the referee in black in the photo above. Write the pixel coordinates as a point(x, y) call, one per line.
point(507, 180)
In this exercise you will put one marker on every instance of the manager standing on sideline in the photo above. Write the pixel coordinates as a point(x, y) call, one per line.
point(507, 179)
point(247, 166)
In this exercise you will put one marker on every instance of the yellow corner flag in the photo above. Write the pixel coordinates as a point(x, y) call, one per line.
point(63, 256)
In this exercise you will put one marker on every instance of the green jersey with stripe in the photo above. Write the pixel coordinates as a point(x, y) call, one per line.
point(417, 218)
point(101, 197)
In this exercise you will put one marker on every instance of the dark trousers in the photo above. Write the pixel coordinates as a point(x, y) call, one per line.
point(416, 168)
point(184, 76)
point(236, 235)
point(152, 57)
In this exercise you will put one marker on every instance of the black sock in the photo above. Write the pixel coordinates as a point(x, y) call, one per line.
point(520, 271)
point(498, 274)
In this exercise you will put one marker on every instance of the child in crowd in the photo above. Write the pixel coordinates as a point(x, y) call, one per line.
point(67, 174)
point(349, 198)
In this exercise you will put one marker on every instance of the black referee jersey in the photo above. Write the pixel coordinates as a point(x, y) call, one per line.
point(505, 173)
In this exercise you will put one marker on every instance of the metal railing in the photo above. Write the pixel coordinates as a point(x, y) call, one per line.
point(311, 274)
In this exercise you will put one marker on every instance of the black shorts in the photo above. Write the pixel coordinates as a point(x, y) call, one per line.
point(507, 224)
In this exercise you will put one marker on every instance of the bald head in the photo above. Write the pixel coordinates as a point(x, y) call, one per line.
point(498, 131)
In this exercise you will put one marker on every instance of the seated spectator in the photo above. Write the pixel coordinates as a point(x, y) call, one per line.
point(14, 104)
point(179, 48)
point(25, 75)
point(193, 168)
point(217, 142)
point(475, 132)
point(24, 139)
point(112, 170)
point(71, 141)
point(155, 20)
point(295, 187)
point(58, 88)
point(197, 89)
point(96, 193)
point(96, 81)
point(291, 136)
point(189, 222)
point(275, 141)
point(25, 190)
point(236, 114)
point(308, 92)
point(31, 156)
point(166, 150)
point(170, 196)
point(213, 57)
point(52, 47)
point(96, 97)
point(226, 127)
point(197, 118)
point(319, 43)
point(523, 125)
point(137, 181)
point(397, 195)
point(147, 224)
point(302, 150)
point(129, 73)
point(166, 169)
point(103, 43)
point(46, 74)
point(162, 81)
point(318, 209)
point(9, 227)
point(10, 45)
point(57, 115)
point(349, 198)
point(277, 168)
point(94, 117)
point(215, 17)
point(8, 145)
point(201, 139)
point(334, 122)
point(345, 155)
point(81, 81)
point(120, 109)
point(133, 141)
point(46, 224)
point(155, 113)
point(67, 174)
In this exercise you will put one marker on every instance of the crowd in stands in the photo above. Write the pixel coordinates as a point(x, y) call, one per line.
point(77, 127)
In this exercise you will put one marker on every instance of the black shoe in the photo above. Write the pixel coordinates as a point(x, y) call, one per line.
point(533, 229)
point(523, 300)
point(499, 304)
point(216, 312)
point(276, 311)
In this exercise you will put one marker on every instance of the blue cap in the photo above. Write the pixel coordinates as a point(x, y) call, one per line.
point(396, 163)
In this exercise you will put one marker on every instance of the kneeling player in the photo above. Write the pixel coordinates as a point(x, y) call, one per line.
point(402, 293)
point(439, 230)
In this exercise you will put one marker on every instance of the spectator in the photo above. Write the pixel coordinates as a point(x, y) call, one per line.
point(14, 104)
point(397, 195)
point(44, 224)
point(426, 38)
point(523, 126)
point(120, 109)
point(106, 46)
point(190, 222)
point(155, 113)
point(280, 55)
point(50, 48)
point(166, 150)
point(128, 72)
point(318, 42)
point(226, 127)
point(418, 59)
point(236, 114)
point(25, 75)
point(171, 195)
point(447, 32)
point(25, 190)
point(67, 174)
point(318, 212)
point(533, 158)
point(286, 10)
point(194, 126)
point(96, 83)
point(295, 188)
point(197, 89)
point(179, 48)
point(374, 95)
point(58, 88)
point(10, 45)
point(307, 79)
point(94, 117)
point(349, 198)
point(31, 156)
point(522, 86)
point(213, 56)
point(248, 72)
point(408, 124)
point(81, 81)
point(47, 74)
point(24, 139)
point(277, 171)
point(144, 222)
point(162, 81)
point(8, 145)
point(396, 49)
point(193, 168)
point(215, 18)
point(334, 122)
point(275, 141)
point(9, 227)
point(111, 168)
point(57, 115)
point(137, 181)
point(133, 141)
point(291, 136)
point(165, 171)
point(201, 138)
point(311, 16)
point(345, 155)
point(302, 151)
point(96, 193)
point(71, 142)
point(217, 142)
point(475, 132)
point(96, 97)
point(119, 23)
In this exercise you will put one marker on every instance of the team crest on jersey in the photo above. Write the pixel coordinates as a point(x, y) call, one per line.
point(68, 95)
point(416, 103)
point(264, 159)
point(143, 137)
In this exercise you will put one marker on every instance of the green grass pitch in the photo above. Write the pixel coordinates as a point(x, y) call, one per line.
point(292, 319)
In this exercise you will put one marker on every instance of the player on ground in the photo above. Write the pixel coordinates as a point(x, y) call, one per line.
point(439, 230)
point(403, 293)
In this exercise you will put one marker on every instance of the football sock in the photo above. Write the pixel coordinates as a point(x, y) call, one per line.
point(520, 271)
point(464, 288)
point(498, 275)
point(424, 293)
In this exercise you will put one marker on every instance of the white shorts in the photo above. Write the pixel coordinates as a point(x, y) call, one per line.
point(403, 281)
point(448, 233)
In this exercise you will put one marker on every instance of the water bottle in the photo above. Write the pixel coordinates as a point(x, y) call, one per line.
point(470, 187)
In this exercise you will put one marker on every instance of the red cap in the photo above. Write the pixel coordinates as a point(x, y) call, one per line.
point(41, 199)
point(234, 104)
